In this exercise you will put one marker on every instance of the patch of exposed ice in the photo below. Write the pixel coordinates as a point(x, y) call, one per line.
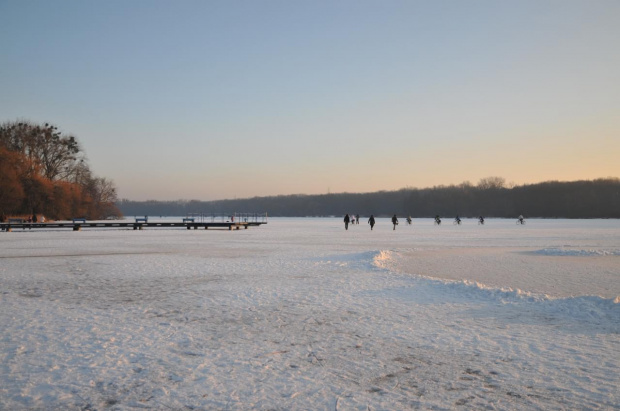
point(574, 252)
point(579, 308)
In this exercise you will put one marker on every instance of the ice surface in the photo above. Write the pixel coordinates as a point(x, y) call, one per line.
point(301, 314)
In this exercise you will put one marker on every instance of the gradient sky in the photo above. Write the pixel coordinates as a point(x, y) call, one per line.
point(209, 100)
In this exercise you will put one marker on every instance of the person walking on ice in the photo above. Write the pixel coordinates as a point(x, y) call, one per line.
point(346, 221)
point(371, 221)
point(394, 221)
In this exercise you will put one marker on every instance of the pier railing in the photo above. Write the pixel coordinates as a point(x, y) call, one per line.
point(229, 217)
point(194, 221)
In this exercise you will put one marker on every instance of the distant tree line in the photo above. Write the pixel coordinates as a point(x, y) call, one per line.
point(491, 197)
point(45, 172)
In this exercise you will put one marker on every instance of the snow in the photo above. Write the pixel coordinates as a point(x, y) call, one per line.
point(301, 314)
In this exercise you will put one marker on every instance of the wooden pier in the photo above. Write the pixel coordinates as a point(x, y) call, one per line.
point(138, 224)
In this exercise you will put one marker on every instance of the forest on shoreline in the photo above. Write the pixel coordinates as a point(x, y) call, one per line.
point(491, 197)
point(45, 173)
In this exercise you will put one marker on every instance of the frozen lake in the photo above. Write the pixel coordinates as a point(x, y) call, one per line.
point(301, 314)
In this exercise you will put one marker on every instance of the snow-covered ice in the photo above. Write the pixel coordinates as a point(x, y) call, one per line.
point(301, 314)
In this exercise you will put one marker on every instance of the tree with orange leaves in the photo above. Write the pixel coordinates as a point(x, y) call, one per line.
point(42, 170)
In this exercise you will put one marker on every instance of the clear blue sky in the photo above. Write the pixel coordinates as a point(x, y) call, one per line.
point(210, 100)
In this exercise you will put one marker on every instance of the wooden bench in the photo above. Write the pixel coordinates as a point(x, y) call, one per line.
point(189, 220)
point(139, 220)
point(12, 221)
point(77, 223)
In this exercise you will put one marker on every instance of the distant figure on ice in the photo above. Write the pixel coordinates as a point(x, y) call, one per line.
point(409, 220)
point(357, 219)
point(352, 219)
point(457, 220)
point(371, 221)
point(394, 221)
point(481, 220)
point(437, 220)
point(521, 220)
point(346, 221)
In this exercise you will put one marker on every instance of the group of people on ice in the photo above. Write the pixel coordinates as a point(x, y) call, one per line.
point(355, 219)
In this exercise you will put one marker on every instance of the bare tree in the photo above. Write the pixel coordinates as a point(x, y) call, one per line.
point(492, 182)
point(51, 155)
point(103, 194)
